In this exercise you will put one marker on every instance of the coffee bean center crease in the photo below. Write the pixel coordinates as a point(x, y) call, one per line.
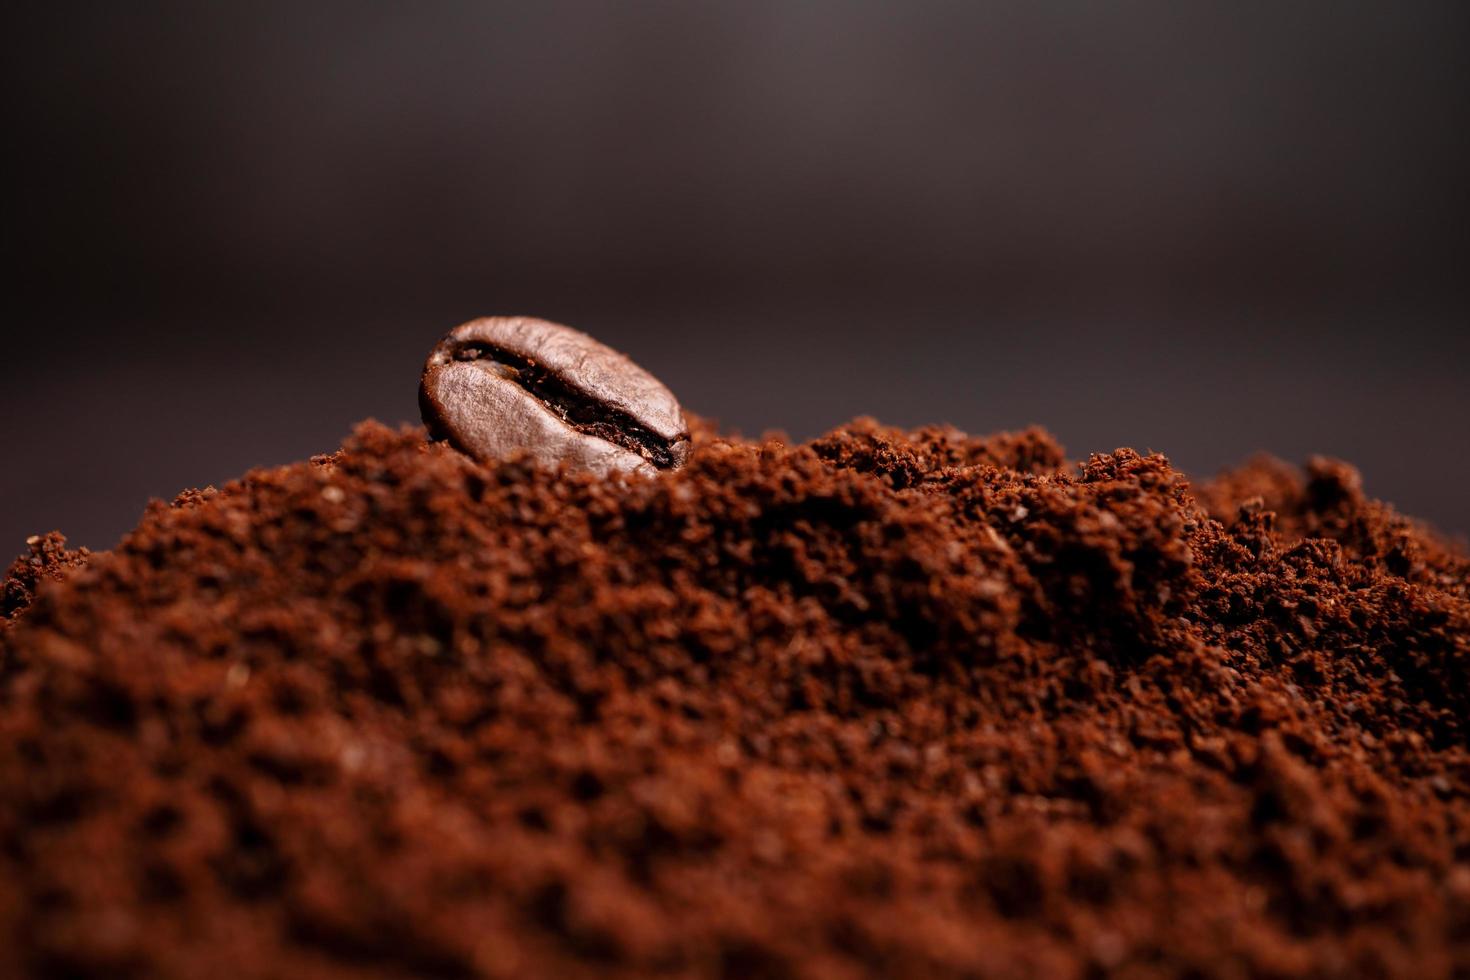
point(575, 407)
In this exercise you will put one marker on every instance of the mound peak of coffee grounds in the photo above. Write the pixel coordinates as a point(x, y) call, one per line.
point(885, 703)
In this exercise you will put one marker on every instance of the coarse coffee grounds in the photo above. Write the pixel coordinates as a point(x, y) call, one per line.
point(49, 560)
point(883, 704)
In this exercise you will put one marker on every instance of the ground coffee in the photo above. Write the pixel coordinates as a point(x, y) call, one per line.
point(886, 703)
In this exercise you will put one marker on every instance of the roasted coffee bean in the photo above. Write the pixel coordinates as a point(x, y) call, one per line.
point(500, 384)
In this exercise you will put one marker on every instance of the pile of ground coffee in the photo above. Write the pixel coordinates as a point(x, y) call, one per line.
point(886, 703)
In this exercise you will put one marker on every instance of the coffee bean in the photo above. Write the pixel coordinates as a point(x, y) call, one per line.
point(500, 384)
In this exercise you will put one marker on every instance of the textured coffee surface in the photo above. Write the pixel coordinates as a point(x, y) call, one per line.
point(886, 704)
point(499, 385)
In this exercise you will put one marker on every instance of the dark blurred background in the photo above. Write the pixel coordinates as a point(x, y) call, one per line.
point(1202, 228)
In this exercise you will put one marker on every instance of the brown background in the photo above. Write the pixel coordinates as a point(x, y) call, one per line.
point(1200, 228)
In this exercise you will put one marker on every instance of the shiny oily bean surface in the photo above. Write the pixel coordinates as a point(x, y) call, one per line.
point(498, 385)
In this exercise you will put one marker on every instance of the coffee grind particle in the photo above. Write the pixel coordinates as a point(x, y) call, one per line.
point(883, 704)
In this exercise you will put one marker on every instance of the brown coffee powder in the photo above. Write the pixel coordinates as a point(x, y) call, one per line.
point(883, 704)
